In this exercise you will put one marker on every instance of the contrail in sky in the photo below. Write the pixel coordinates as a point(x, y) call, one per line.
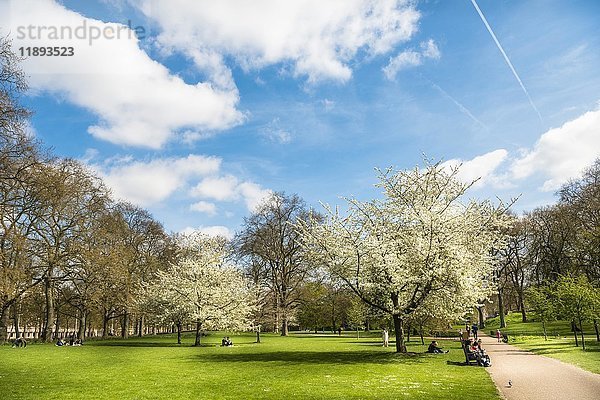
point(506, 58)
point(462, 108)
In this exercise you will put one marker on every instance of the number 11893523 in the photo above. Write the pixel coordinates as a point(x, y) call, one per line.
point(56, 51)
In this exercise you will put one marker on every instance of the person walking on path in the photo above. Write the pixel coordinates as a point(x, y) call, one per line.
point(474, 329)
point(498, 335)
point(534, 377)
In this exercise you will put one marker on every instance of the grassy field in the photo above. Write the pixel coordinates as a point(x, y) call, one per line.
point(302, 366)
point(560, 343)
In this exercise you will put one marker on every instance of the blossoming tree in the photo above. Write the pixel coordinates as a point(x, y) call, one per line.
point(203, 287)
point(420, 248)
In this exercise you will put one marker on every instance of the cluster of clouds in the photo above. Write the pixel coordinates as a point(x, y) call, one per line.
point(318, 39)
point(139, 102)
point(560, 154)
point(411, 58)
point(197, 178)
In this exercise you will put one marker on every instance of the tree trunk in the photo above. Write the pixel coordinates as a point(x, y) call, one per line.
point(57, 325)
point(82, 325)
point(141, 326)
point(501, 310)
point(284, 325)
point(481, 317)
point(522, 308)
point(3, 325)
point(125, 326)
point(49, 314)
point(198, 340)
point(276, 327)
point(574, 327)
point(408, 331)
point(399, 332)
point(105, 324)
point(178, 332)
point(258, 334)
point(596, 329)
point(582, 338)
point(421, 334)
point(16, 318)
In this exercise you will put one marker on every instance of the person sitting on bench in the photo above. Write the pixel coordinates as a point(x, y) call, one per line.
point(435, 349)
point(480, 355)
point(470, 350)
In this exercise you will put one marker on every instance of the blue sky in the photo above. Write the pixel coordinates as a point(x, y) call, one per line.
point(215, 105)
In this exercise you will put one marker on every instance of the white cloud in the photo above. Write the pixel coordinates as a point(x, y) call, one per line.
point(318, 38)
point(229, 188)
point(147, 183)
point(411, 58)
point(481, 168)
point(253, 194)
point(558, 155)
point(137, 100)
point(562, 153)
point(275, 133)
point(204, 207)
point(222, 188)
point(216, 230)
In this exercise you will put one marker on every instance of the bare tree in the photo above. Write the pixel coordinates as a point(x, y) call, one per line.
point(269, 238)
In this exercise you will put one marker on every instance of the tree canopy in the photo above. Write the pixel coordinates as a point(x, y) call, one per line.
point(418, 248)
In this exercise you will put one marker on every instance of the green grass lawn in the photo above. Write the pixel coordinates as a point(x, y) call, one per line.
point(297, 367)
point(560, 343)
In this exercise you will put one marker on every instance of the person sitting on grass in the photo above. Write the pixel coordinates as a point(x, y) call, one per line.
point(60, 343)
point(435, 349)
point(20, 342)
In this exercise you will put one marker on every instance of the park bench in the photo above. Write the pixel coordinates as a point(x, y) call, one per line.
point(468, 355)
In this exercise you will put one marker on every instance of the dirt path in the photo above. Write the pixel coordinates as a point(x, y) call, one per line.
point(536, 377)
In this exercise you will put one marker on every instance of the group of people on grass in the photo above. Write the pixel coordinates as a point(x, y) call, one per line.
point(433, 347)
point(226, 342)
point(73, 341)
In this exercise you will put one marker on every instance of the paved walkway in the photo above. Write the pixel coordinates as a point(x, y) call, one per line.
point(536, 377)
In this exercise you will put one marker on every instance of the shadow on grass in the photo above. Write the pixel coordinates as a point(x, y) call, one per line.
point(460, 364)
point(315, 357)
point(562, 349)
point(130, 343)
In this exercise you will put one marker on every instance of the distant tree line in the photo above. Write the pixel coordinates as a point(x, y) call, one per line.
point(551, 262)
